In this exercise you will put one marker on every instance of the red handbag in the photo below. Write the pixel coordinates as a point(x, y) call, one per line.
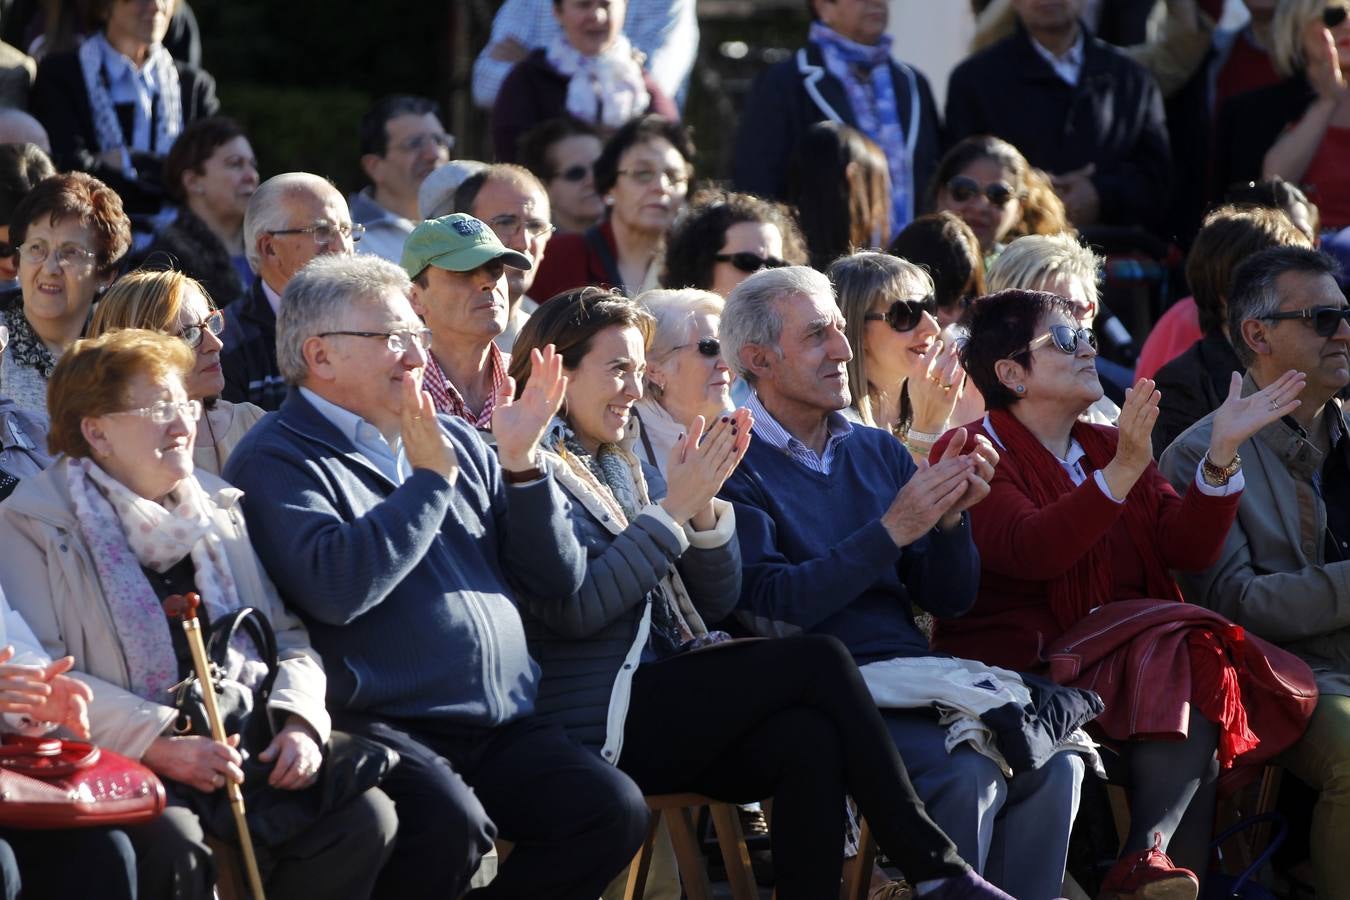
point(51, 783)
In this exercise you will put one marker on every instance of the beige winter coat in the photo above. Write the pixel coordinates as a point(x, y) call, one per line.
point(48, 575)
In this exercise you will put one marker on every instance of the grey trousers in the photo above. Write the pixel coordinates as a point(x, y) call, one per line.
point(1014, 831)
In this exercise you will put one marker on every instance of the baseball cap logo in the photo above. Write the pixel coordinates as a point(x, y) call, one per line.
point(468, 227)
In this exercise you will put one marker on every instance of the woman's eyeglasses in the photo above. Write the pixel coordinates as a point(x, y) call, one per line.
point(165, 411)
point(575, 173)
point(193, 334)
point(1064, 339)
point(68, 256)
point(751, 262)
point(963, 188)
point(1333, 16)
point(709, 347)
point(905, 315)
point(1325, 320)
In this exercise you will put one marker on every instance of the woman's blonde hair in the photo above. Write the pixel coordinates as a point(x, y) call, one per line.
point(91, 379)
point(145, 299)
point(1286, 33)
point(859, 279)
point(1028, 262)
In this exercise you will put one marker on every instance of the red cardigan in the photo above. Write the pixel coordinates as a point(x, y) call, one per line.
point(571, 262)
point(1022, 548)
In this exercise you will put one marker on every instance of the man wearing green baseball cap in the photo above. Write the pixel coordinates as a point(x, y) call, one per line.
point(458, 267)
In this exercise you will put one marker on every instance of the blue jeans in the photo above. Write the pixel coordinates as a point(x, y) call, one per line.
point(1014, 831)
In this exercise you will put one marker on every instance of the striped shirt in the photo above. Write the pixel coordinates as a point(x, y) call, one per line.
point(770, 431)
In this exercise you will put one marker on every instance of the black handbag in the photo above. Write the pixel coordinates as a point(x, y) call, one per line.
point(351, 764)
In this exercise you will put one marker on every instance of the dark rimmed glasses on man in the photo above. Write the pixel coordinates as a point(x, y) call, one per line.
point(750, 263)
point(193, 334)
point(905, 315)
point(1064, 339)
point(396, 341)
point(1325, 320)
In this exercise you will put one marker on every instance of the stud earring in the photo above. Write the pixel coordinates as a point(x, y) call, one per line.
point(1021, 389)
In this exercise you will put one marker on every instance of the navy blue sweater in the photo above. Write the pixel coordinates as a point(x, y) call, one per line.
point(817, 558)
point(404, 589)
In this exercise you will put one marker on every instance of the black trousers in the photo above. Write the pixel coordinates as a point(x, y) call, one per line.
point(790, 719)
point(58, 865)
point(575, 821)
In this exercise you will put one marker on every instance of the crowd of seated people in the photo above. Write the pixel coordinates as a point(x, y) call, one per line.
point(578, 475)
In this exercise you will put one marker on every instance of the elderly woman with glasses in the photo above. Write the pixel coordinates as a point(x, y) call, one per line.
point(93, 547)
point(902, 376)
point(70, 232)
point(1076, 541)
point(643, 174)
point(174, 304)
point(686, 376)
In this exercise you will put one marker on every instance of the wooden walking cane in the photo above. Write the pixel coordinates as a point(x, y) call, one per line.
point(186, 609)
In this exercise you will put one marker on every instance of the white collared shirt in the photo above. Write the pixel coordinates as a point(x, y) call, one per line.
point(273, 298)
point(1069, 66)
point(138, 87)
point(390, 461)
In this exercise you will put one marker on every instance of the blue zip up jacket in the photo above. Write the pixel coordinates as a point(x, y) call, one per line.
point(404, 588)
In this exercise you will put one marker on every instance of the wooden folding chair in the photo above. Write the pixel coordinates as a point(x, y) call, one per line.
point(678, 811)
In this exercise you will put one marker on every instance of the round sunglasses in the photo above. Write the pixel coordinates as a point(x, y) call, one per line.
point(963, 188)
point(750, 262)
point(574, 173)
point(1064, 339)
point(1325, 320)
point(905, 315)
point(1333, 16)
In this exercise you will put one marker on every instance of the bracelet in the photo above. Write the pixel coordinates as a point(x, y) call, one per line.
point(923, 437)
point(1216, 475)
point(531, 474)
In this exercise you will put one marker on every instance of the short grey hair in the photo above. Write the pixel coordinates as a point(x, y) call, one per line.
point(751, 313)
point(1028, 262)
point(317, 299)
point(265, 208)
point(672, 310)
point(1255, 293)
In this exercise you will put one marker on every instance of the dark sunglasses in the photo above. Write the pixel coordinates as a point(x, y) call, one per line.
point(1064, 339)
point(905, 315)
point(1334, 15)
point(8, 249)
point(706, 347)
point(574, 173)
point(963, 188)
point(751, 262)
point(1325, 320)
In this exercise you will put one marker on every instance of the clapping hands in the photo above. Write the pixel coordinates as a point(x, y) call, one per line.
point(45, 693)
point(519, 424)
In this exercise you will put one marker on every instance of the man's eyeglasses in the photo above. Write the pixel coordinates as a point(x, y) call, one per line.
point(905, 315)
point(325, 233)
point(165, 411)
point(193, 334)
point(709, 347)
point(1064, 339)
point(1334, 15)
point(417, 144)
point(1325, 320)
point(751, 262)
point(963, 188)
point(575, 173)
point(68, 256)
point(509, 225)
point(397, 341)
point(675, 177)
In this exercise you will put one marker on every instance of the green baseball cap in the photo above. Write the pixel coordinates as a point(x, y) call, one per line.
point(458, 243)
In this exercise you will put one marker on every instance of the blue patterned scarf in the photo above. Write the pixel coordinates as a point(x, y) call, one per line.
point(866, 76)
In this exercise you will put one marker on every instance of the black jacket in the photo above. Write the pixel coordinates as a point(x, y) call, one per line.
point(249, 359)
point(1193, 385)
point(1112, 118)
point(60, 102)
point(1250, 123)
point(789, 97)
point(188, 246)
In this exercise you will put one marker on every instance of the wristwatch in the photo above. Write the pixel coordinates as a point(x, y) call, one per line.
point(1218, 476)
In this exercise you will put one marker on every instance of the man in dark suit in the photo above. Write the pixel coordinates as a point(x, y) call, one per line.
point(1077, 108)
point(844, 73)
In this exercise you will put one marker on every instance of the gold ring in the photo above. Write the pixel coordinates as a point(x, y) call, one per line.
point(947, 387)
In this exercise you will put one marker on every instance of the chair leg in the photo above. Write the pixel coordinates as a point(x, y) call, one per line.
point(731, 841)
point(636, 883)
point(858, 874)
point(688, 857)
